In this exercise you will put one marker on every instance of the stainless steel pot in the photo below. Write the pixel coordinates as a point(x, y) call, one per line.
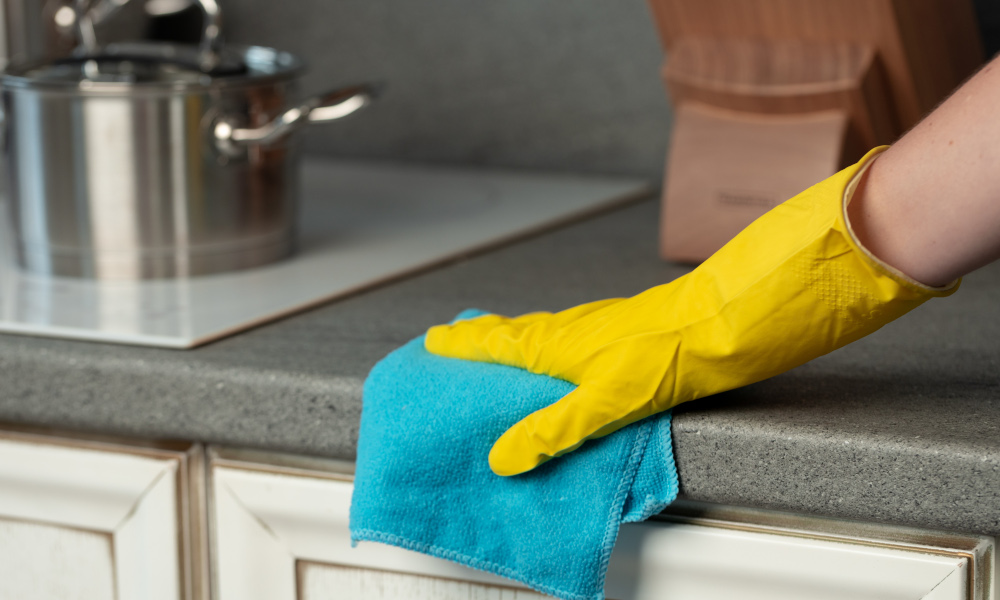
point(137, 164)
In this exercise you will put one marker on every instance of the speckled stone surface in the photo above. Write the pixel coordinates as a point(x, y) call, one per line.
point(902, 427)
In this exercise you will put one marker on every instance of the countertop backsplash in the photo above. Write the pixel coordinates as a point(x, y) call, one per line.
point(534, 84)
point(541, 85)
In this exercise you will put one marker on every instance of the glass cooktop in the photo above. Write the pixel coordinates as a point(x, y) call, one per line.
point(361, 224)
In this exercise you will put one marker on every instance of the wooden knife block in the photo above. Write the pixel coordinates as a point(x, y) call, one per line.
point(771, 96)
point(755, 123)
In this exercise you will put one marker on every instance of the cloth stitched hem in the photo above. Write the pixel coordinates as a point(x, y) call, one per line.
point(651, 504)
point(618, 505)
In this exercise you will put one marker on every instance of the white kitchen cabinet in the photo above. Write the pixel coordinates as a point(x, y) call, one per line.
point(281, 532)
point(97, 519)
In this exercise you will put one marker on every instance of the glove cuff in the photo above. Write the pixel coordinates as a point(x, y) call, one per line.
point(873, 261)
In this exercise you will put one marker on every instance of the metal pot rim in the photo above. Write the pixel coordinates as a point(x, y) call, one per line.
point(265, 65)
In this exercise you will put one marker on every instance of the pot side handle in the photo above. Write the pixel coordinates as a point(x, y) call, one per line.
point(231, 140)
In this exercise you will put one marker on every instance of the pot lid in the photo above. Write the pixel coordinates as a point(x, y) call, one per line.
point(149, 64)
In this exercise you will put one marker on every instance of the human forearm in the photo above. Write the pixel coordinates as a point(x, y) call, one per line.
point(930, 205)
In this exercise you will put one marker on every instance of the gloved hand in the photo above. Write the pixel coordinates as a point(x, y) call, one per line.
point(792, 286)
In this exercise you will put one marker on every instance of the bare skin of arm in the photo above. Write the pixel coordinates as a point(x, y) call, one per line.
point(930, 205)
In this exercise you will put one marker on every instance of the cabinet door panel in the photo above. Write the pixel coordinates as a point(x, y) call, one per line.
point(334, 582)
point(31, 553)
point(268, 525)
point(84, 519)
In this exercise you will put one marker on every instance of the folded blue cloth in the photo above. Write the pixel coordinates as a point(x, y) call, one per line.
point(422, 479)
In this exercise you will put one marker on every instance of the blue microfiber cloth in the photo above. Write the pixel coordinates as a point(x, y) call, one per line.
point(422, 479)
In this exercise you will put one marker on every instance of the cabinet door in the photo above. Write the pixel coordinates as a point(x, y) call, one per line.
point(281, 532)
point(95, 520)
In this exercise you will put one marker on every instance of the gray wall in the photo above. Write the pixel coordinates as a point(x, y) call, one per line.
point(540, 84)
point(565, 85)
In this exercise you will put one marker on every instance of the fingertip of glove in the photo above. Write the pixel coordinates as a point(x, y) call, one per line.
point(513, 454)
point(434, 339)
point(505, 465)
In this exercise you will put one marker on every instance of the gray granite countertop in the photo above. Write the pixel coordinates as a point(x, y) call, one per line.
point(901, 427)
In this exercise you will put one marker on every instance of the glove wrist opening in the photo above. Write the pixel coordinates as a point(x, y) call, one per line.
point(877, 263)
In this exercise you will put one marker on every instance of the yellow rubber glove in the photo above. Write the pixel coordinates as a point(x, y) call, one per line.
point(792, 286)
